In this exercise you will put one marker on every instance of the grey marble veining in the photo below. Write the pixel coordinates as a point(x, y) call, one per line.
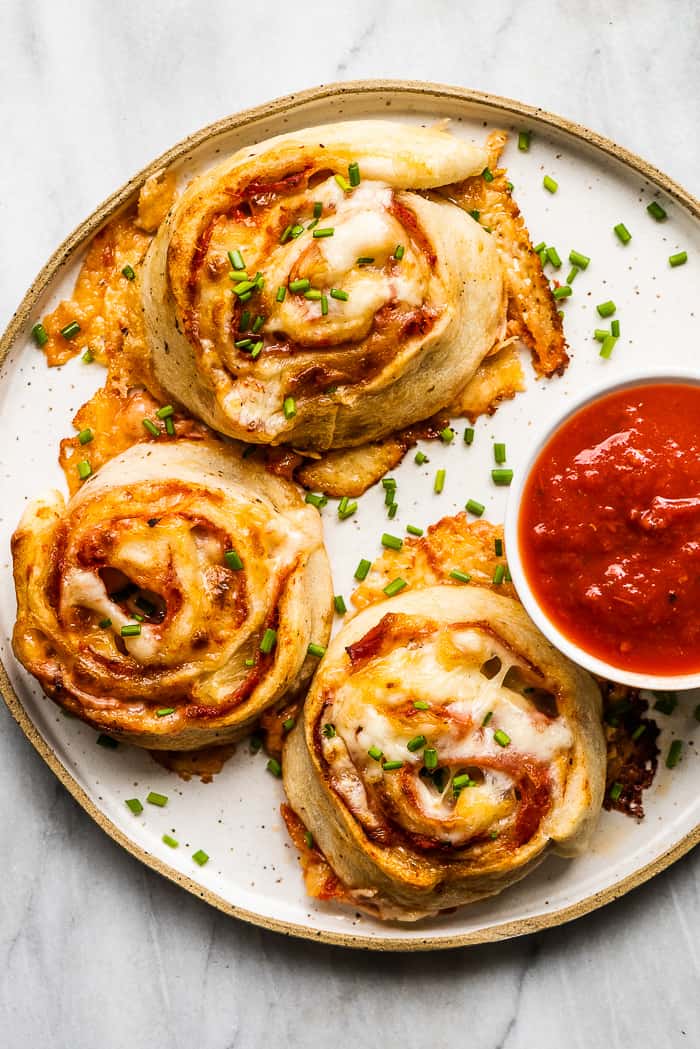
point(94, 949)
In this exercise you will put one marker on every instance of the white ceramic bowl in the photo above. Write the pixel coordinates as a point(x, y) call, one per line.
point(569, 648)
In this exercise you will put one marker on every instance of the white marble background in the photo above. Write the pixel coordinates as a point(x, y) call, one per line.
point(96, 951)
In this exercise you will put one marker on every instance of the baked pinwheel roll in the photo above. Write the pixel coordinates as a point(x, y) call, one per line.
point(445, 748)
point(173, 599)
point(309, 290)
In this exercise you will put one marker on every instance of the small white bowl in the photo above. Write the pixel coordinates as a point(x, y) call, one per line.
point(537, 614)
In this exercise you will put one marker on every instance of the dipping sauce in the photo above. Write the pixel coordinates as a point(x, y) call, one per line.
point(609, 529)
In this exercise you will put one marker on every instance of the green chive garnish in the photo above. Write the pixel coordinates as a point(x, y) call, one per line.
point(318, 209)
point(40, 334)
point(499, 452)
point(153, 798)
point(303, 284)
point(678, 260)
point(615, 791)
point(399, 252)
point(608, 346)
point(549, 184)
point(656, 211)
point(128, 272)
point(562, 292)
point(459, 782)
point(638, 732)
point(393, 542)
point(461, 577)
point(390, 766)
point(501, 737)
point(343, 183)
point(354, 173)
point(327, 231)
point(430, 758)
point(487, 718)
point(200, 857)
point(288, 724)
point(439, 483)
point(250, 662)
point(502, 477)
point(164, 712)
point(395, 587)
point(274, 768)
point(233, 560)
point(281, 292)
point(499, 574)
point(487, 175)
point(420, 458)
point(553, 257)
point(615, 328)
point(469, 435)
point(316, 650)
point(150, 427)
point(606, 309)
point(416, 743)
point(84, 470)
point(338, 293)
point(85, 436)
point(329, 730)
point(540, 247)
point(601, 334)
point(571, 276)
point(172, 842)
point(135, 805)
point(289, 407)
point(420, 704)
point(236, 260)
point(308, 839)
point(447, 435)
point(286, 235)
point(414, 530)
point(472, 507)
point(577, 259)
point(365, 260)
point(104, 624)
point(131, 630)
point(362, 570)
point(375, 753)
point(319, 501)
point(475, 214)
point(623, 234)
point(524, 141)
point(88, 357)
point(674, 754)
point(324, 306)
point(269, 640)
point(339, 604)
point(71, 330)
point(313, 295)
point(346, 508)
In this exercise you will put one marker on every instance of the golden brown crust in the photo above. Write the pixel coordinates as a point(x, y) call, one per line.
point(147, 537)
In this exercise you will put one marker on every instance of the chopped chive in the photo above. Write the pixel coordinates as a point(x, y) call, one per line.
point(375, 753)
point(303, 284)
point(414, 530)
point(164, 712)
point(289, 407)
point(297, 231)
point(318, 209)
point(242, 289)
point(338, 293)
point(399, 252)
point(447, 435)
point(524, 141)
point(243, 344)
point(475, 214)
point(391, 541)
point(343, 183)
point(245, 320)
point(172, 842)
point(258, 323)
point(601, 334)
point(420, 704)
point(236, 260)
point(539, 247)
point(85, 436)
point(389, 482)
point(487, 718)
point(606, 309)
point(553, 257)
point(71, 330)
point(420, 458)
point(134, 805)
point(269, 640)
point(255, 744)
point(245, 297)
point(326, 231)
point(459, 782)
point(238, 275)
point(250, 662)
point(233, 560)
point(324, 306)
point(286, 235)
point(549, 184)
point(150, 427)
point(200, 857)
point(469, 435)
point(346, 508)
point(499, 574)
point(577, 259)
point(487, 175)
point(313, 295)
point(106, 741)
point(354, 173)
point(615, 791)
point(40, 334)
point(288, 724)
point(499, 452)
point(362, 570)
point(153, 798)
point(104, 624)
point(439, 482)
point(329, 730)
point(316, 650)
point(461, 577)
point(165, 412)
point(679, 259)
point(395, 587)
point(313, 224)
point(84, 470)
point(562, 292)
point(390, 766)
point(281, 292)
point(502, 477)
point(608, 346)
point(430, 758)
point(543, 258)
point(571, 276)
point(416, 743)
point(472, 507)
point(274, 768)
point(137, 617)
point(638, 732)
point(656, 211)
point(319, 501)
point(615, 329)
point(623, 234)
point(131, 630)
point(256, 350)
point(365, 260)
point(501, 737)
point(498, 547)
point(391, 511)
point(128, 272)
point(674, 753)
point(339, 605)
point(308, 839)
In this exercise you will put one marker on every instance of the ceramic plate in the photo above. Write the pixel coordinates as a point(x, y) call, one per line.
point(253, 871)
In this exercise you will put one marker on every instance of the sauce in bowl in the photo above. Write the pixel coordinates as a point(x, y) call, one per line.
point(609, 529)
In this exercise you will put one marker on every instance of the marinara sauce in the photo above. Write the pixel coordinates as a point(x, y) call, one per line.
point(609, 528)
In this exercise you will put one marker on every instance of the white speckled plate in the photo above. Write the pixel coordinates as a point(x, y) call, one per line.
point(253, 871)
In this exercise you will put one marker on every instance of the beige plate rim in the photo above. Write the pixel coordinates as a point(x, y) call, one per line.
point(76, 239)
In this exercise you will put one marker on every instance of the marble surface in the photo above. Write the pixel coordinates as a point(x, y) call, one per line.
point(94, 949)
